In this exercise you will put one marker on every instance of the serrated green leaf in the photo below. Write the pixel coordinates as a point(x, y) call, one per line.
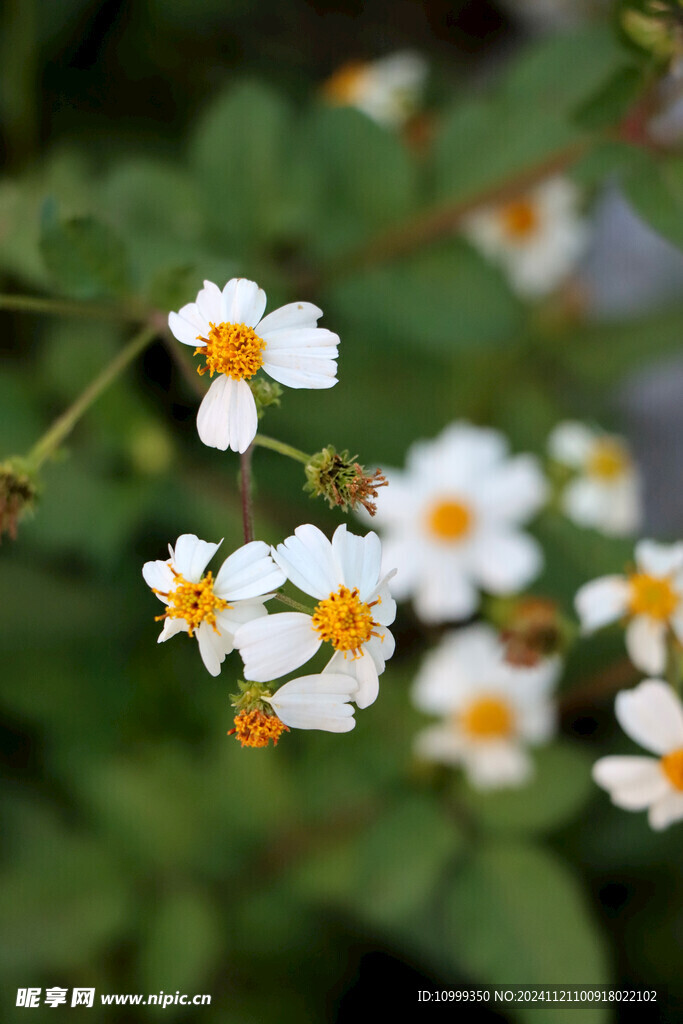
point(86, 258)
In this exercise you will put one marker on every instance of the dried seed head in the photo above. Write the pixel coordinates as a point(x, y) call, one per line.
point(342, 481)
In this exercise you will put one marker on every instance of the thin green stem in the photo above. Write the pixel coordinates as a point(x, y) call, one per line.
point(282, 448)
point(294, 604)
point(64, 424)
point(673, 663)
point(64, 307)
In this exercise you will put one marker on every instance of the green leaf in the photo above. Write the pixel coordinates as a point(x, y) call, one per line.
point(515, 915)
point(612, 101)
point(560, 787)
point(85, 257)
point(240, 153)
point(182, 944)
point(358, 176)
point(655, 190)
point(442, 299)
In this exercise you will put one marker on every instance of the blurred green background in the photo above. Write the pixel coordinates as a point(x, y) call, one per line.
point(142, 849)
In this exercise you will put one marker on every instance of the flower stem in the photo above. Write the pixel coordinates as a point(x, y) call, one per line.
point(64, 424)
point(294, 604)
point(63, 307)
point(673, 664)
point(282, 448)
point(245, 488)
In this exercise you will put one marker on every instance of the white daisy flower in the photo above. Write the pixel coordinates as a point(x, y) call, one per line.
point(316, 702)
point(212, 609)
point(491, 709)
point(652, 715)
point(227, 329)
point(353, 611)
point(536, 238)
point(651, 597)
point(388, 89)
point(606, 492)
point(453, 521)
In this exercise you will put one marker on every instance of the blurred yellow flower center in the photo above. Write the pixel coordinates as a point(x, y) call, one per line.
point(651, 595)
point(672, 766)
point(520, 219)
point(256, 729)
point(608, 460)
point(232, 349)
point(345, 620)
point(346, 84)
point(449, 520)
point(487, 718)
point(194, 602)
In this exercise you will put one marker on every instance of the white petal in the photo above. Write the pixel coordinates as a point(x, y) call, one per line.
point(646, 644)
point(571, 443)
point(601, 601)
point(316, 702)
point(444, 592)
point(659, 559)
point(587, 502)
point(632, 782)
point(213, 647)
point(188, 325)
point(506, 562)
point(230, 619)
point(301, 372)
point(497, 765)
point(439, 743)
point(368, 680)
point(210, 304)
point(248, 572)
point(227, 417)
point(158, 576)
point(192, 555)
point(360, 560)
point(293, 316)
point(170, 628)
point(537, 721)
point(243, 302)
point(665, 811)
point(309, 561)
point(515, 491)
point(306, 341)
point(651, 714)
point(273, 646)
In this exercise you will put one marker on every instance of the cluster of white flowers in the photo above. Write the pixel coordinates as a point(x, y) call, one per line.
point(353, 610)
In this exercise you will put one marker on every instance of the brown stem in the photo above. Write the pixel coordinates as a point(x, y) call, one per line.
point(245, 488)
point(615, 677)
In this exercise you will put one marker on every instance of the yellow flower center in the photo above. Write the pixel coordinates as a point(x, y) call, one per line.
point(487, 718)
point(520, 219)
point(256, 729)
point(608, 460)
point(651, 595)
point(346, 84)
point(672, 766)
point(194, 602)
point(449, 520)
point(232, 349)
point(345, 620)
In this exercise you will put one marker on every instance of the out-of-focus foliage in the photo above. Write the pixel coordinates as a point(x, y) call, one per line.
point(144, 849)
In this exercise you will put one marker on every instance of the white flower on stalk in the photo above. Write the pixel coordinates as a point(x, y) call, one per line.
point(650, 597)
point(491, 710)
point(388, 89)
point(211, 609)
point(537, 238)
point(606, 492)
point(652, 715)
point(353, 611)
point(453, 519)
point(229, 330)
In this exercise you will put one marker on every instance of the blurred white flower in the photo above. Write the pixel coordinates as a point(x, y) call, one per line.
point(227, 329)
point(651, 597)
point(554, 15)
point(212, 610)
point(605, 493)
point(354, 608)
point(453, 519)
point(537, 238)
point(316, 702)
point(491, 709)
point(388, 89)
point(652, 715)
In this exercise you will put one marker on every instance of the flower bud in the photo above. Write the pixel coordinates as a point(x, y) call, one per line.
point(343, 482)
